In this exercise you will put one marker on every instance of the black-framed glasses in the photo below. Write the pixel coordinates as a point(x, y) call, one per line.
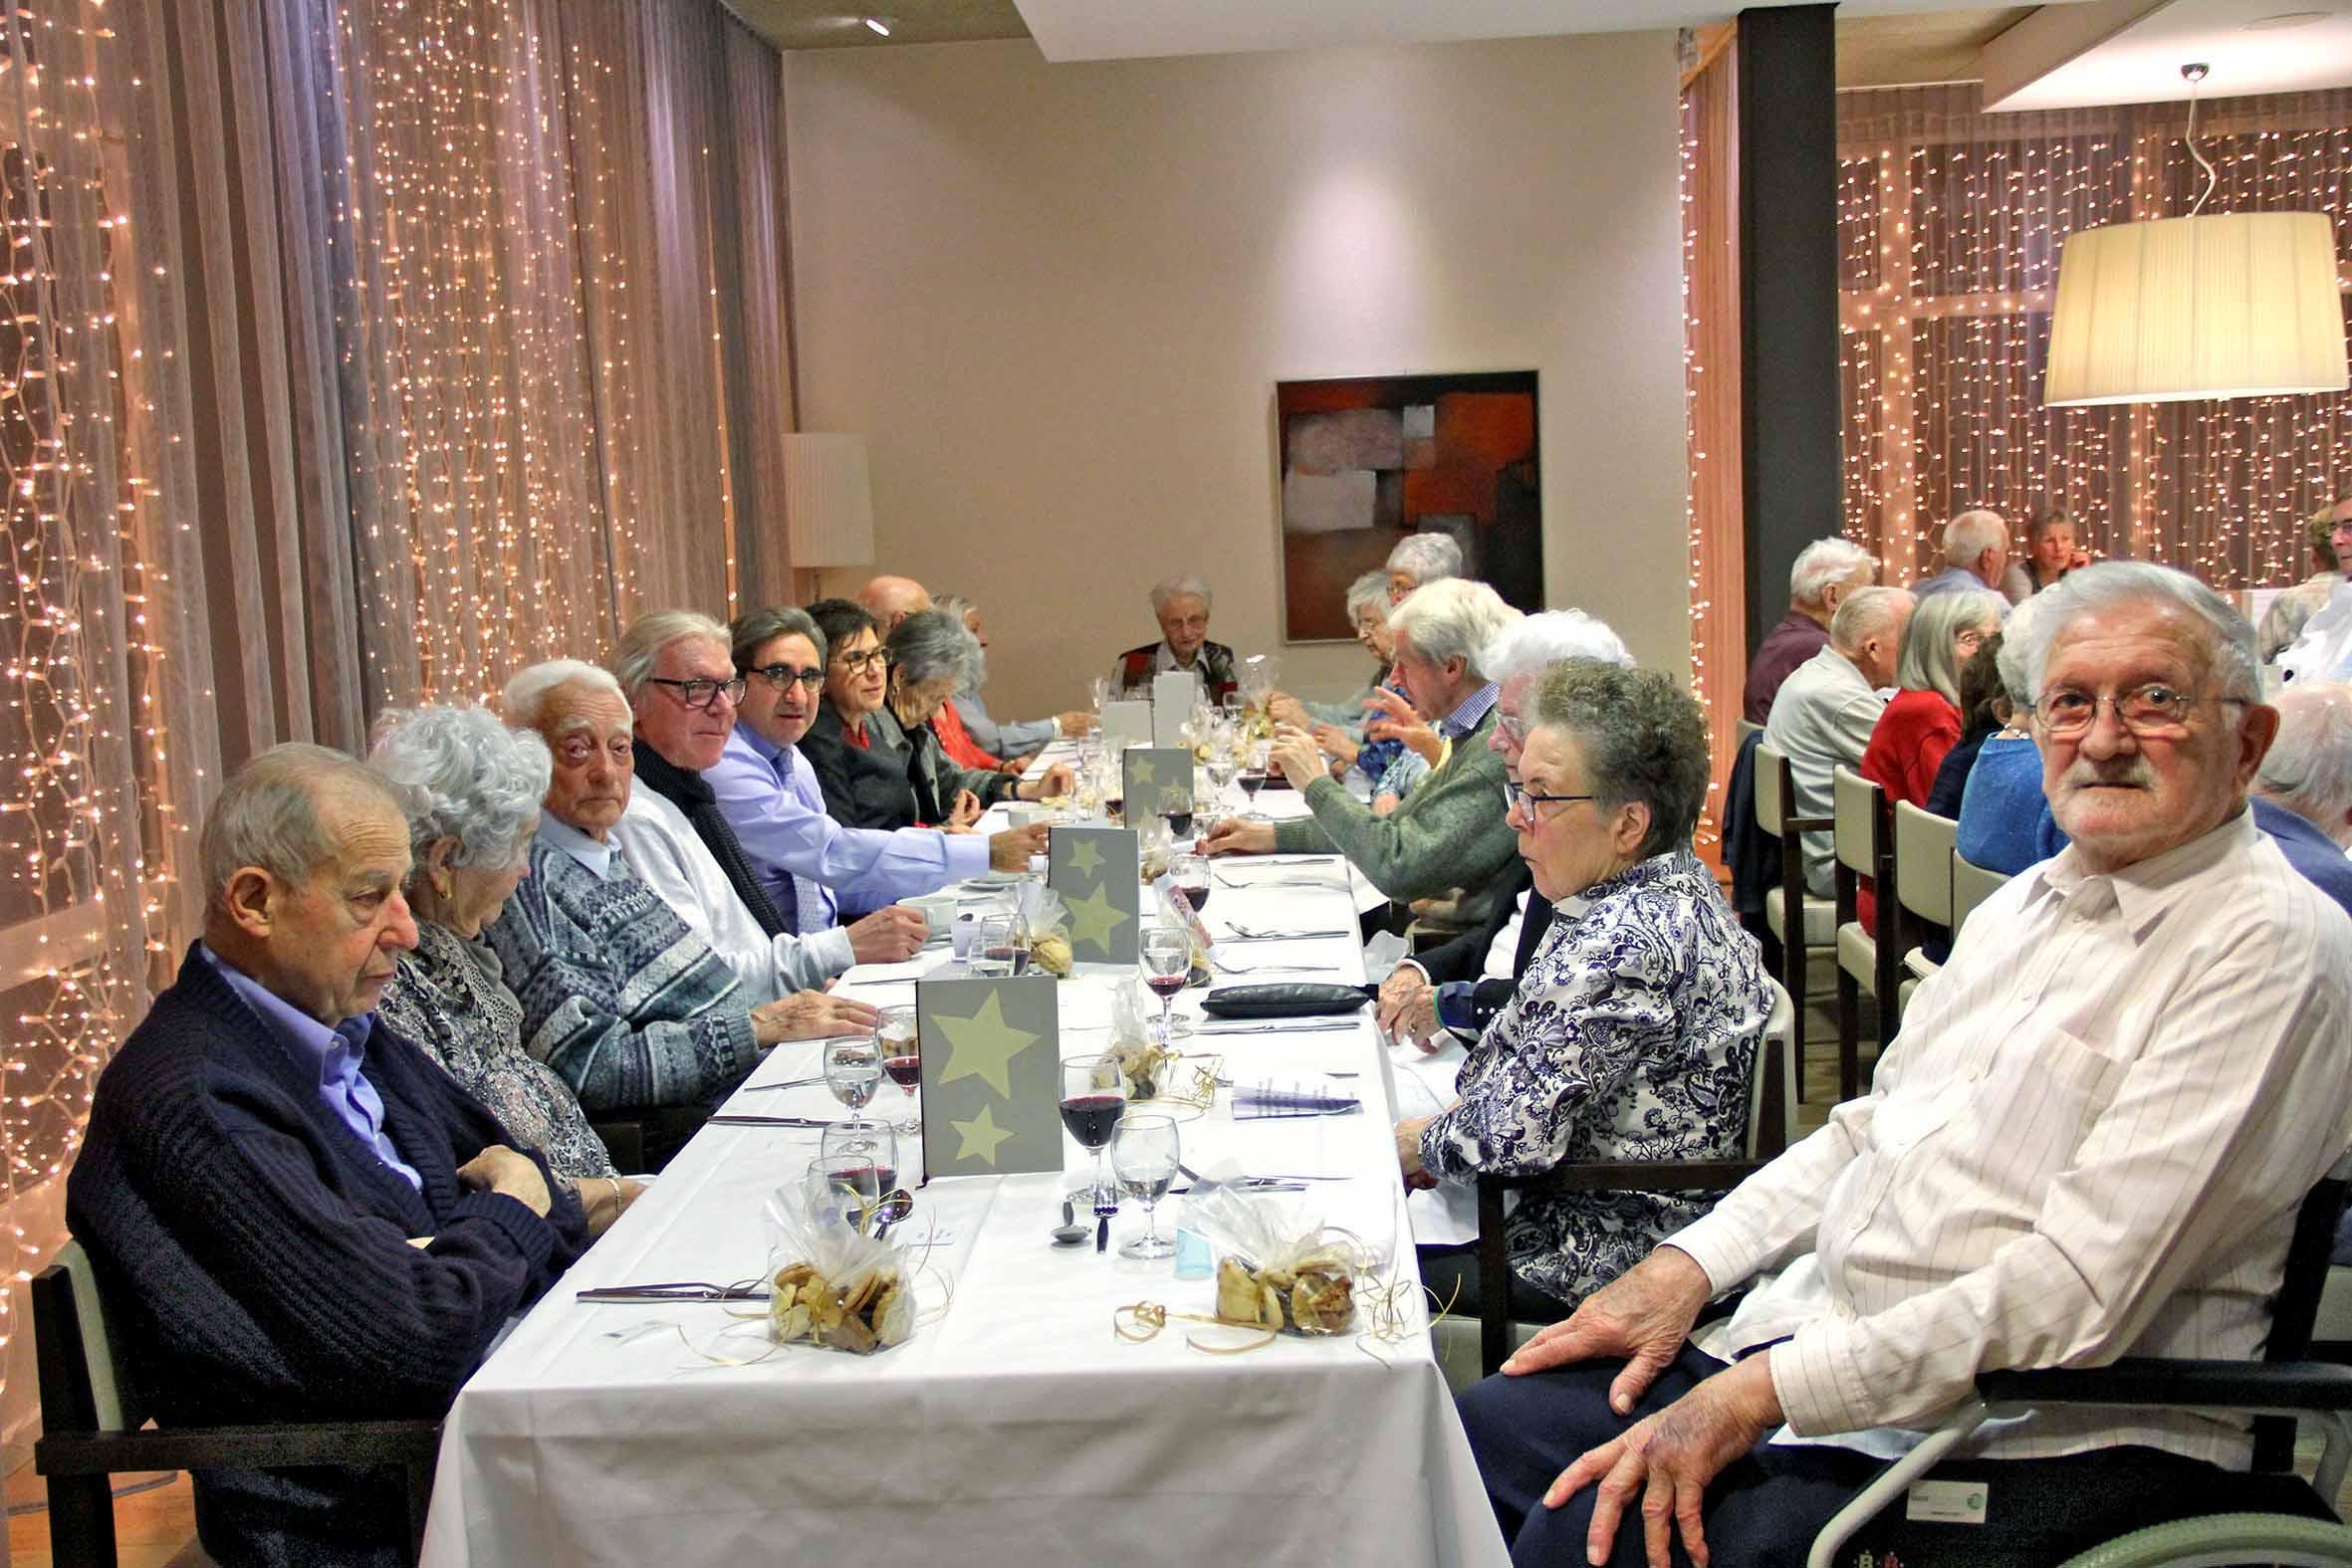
point(859, 663)
point(782, 675)
point(700, 694)
point(2144, 710)
point(1517, 795)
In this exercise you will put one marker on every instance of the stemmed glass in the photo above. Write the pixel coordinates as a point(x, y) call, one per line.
point(1144, 1155)
point(1189, 875)
point(859, 1160)
point(852, 1070)
point(1253, 778)
point(1220, 768)
point(901, 1047)
point(1167, 961)
point(1094, 1099)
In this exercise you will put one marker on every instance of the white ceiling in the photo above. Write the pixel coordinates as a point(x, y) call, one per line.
point(2132, 51)
point(1126, 29)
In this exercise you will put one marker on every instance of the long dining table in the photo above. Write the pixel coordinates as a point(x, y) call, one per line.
point(1016, 1425)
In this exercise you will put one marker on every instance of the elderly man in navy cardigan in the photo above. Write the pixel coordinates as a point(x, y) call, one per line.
point(295, 1213)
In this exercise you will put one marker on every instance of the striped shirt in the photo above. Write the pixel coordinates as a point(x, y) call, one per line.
point(2089, 1141)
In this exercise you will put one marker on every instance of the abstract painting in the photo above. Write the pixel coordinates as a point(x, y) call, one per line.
point(1367, 460)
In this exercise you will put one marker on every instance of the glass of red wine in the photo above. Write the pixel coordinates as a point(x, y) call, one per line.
point(1144, 1155)
point(859, 1160)
point(1179, 823)
point(1167, 952)
point(901, 1047)
point(1094, 1098)
point(852, 1070)
point(1189, 875)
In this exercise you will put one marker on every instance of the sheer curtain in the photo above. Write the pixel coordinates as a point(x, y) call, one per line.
point(1951, 225)
point(356, 352)
point(1711, 400)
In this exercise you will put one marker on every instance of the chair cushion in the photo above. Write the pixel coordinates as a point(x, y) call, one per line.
point(1820, 918)
point(1857, 954)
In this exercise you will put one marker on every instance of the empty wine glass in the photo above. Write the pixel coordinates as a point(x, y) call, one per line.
point(901, 1047)
point(1220, 768)
point(1094, 1099)
point(1144, 1155)
point(852, 1070)
point(1167, 961)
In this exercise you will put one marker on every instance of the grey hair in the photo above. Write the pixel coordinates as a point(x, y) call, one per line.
point(1430, 557)
point(1826, 562)
point(466, 776)
point(1643, 739)
point(1172, 587)
point(2107, 584)
point(2015, 635)
point(955, 607)
point(1453, 619)
point(1970, 534)
point(1536, 643)
point(2309, 769)
point(639, 646)
point(1926, 663)
point(748, 632)
point(929, 644)
point(523, 702)
point(269, 815)
point(1866, 613)
point(1368, 592)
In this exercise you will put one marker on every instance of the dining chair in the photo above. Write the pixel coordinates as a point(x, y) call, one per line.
point(1922, 888)
point(1817, 923)
point(1867, 956)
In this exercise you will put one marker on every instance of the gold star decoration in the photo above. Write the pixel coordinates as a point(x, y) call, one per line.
point(980, 1136)
point(981, 1044)
point(1094, 918)
point(1087, 859)
point(1141, 775)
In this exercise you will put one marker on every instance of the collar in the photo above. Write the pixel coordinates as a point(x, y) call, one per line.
point(560, 834)
point(336, 1053)
point(759, 746)
point(1470, 713)
point(2146, 889)
point(1168, 660)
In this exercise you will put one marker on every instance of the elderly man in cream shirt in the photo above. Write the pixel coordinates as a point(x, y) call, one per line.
point(2090, 1141)
point(1823, 713)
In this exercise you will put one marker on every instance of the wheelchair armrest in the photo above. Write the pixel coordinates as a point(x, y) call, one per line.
point(1634, 1176)
point(2158, 1381)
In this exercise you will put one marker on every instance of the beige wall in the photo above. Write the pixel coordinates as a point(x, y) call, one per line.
point(1055, 298)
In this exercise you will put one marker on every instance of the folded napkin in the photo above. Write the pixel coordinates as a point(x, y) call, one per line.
point(1254, 1101)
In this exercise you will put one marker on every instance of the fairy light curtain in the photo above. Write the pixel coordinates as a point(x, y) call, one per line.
point(1951, 222)
point(352, 353)
point(1711, 398)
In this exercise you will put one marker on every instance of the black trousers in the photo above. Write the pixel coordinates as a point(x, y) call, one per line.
point(1766, 1507)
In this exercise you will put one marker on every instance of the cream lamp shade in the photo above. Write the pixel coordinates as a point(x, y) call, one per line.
point(829, 504)
point(2233, 304)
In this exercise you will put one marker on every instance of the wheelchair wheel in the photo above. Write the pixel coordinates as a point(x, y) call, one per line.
point(2223, 1539)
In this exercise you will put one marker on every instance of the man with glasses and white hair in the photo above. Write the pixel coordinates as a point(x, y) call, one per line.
point(2090, 1141)
point(675, 669)
point(1826, 571)
point(1181, 605)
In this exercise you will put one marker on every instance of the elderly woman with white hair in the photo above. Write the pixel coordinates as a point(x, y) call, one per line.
point(1420, 559)
point(473, 789)
point(1923, 721)
point(2303, 792)
point(1447, 834)
point(1181, 605)
point(1342, 729)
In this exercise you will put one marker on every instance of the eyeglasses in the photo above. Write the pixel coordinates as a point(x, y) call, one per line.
point(700, 694)
point(1969, 641)
point(782, 675)
point(2144, 710)
point(859, 663)
point(1518, 796)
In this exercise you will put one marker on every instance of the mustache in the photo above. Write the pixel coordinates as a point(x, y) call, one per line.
point(2128, 772)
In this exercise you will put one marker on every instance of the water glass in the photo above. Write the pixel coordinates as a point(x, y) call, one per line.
point(852, 1070)
point(1144, 1155)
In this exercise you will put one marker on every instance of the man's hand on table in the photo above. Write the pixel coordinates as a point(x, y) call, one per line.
point(1233, 837)
point(1010, 850)
point(1055, 781)
point(965, 811)
point(1074, 722)
point(1296, 753)
point(499, 1169)
point(888, 936)
point(810, 1014)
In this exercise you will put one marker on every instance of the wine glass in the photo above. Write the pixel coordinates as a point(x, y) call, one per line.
point(859, 1160)
point(1220, 768)
point(1189, 875)
point(1179, 820)
point(900, 1045)
point(852, 1070)
point(1094, 1099)
point(999, 947)
point(1144, 1155)
point(1167, 961)
point(1253, 779)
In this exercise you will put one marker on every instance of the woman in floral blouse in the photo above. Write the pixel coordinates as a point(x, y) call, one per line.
point(1633, 1032)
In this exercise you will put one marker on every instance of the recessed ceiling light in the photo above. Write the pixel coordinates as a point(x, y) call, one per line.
point(880, 24)
point(2286, 19)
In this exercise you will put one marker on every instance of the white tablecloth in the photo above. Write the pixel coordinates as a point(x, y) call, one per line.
point(1015, 1427)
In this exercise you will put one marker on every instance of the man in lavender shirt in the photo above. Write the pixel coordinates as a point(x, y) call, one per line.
point(770, 795)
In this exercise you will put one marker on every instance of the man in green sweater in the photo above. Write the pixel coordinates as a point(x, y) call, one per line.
point(1450, 831)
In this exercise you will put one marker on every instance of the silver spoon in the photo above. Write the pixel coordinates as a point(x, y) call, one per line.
point(1069, 1232)
point(894, 1206)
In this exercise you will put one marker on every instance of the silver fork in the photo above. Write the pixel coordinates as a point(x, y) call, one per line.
point(1224, 967)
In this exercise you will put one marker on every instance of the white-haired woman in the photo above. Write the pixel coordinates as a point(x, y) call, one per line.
point(473, 789)
point(1181, 605)
point(1420, 559)
point(1924, 720)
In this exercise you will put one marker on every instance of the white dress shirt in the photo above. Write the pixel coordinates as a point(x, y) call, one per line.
point(2089, 1141)
point(1821, 717)
point(661, 847)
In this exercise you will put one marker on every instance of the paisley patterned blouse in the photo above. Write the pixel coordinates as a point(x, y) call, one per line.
point(450, 998)
point(1632, 1036)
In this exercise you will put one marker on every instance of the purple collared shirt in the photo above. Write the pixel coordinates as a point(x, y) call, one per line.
point(340, 1052)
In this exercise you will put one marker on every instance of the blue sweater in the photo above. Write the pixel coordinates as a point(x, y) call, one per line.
point(255, 1256)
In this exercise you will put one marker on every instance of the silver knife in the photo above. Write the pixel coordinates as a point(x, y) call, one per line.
point(742, 1120)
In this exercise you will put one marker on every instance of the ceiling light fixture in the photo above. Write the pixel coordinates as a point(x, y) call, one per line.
point(2235, 305)
point(880, 24)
